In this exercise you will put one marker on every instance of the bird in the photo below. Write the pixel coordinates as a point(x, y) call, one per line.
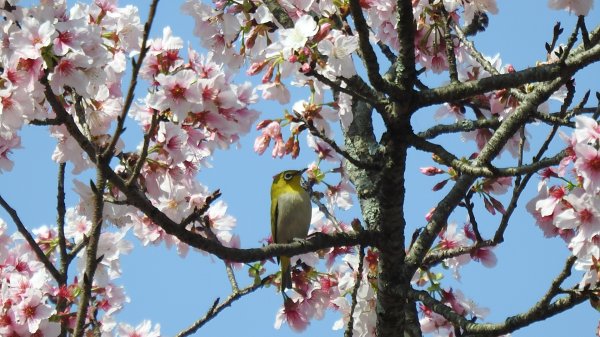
point(290, 216)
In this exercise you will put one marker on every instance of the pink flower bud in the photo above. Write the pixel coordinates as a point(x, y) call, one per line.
point(269, 74)
point(324, 29)
point(305, 68)
point(256, 67)
point(439, 185)
point(273, 130)
point(263, 123)
point(429, 215)
point(261, 143)
point(431, 170)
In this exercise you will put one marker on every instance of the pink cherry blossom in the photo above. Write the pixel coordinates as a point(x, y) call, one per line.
point(292, 314)
point(322, 149)
point(221, 223)
point(275, 91)
point(32, 310)
point(486, 256)
point(6, 147)
point(588, 166)
point(143, 329)
point(32, 37)
point(579, 7)
point(586, 129)
point(15, 104)
point(179, 92)
point(547, 206)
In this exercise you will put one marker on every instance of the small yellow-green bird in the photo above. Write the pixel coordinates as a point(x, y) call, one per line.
point(290, 215)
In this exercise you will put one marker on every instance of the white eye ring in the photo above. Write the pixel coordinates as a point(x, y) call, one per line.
point(288, 176)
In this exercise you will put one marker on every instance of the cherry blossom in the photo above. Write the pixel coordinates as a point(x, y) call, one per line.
point(180, 93)
point(338, 51)
point(295, 38)
point(578, 7)
point(588, 165)
point(143, 329)
point(292, 314)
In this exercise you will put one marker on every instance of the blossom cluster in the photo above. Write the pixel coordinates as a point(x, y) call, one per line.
point(571, 210)
point(76, 57)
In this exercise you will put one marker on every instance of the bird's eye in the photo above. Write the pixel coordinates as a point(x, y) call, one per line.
point(288, 175)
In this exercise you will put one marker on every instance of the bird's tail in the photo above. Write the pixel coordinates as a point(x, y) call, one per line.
point(286, 273)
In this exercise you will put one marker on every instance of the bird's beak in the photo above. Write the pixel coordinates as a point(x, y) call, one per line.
point(303, 170)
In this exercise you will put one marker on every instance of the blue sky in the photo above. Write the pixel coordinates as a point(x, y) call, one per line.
point(175, 292)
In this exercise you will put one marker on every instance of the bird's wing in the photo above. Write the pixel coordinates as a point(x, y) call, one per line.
point(274, 215)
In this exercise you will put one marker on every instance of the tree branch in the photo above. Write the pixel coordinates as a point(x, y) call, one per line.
point(60, 279)
point(137, 168)
point(92, 260)
point(492, 148)
point(216, 308)
point(368, 54)
point(279, 13)
point(362, 92)
point(356, 162)
point(405, 65)
point(136, 198)
point(60, 221)
point(458, 91)
point(464, 125)
point(451, 56)
point(488, 171)
point(435, 257)
point(539, 312)
point(350, 327)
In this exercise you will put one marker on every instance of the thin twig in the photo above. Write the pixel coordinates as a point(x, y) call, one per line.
point(387, 51)
point(31, 241)
point(487, 171)
point(45, 122)
point(197, 213)
point(350, 327)
point(356, 162)
point(60, 221)
point(92, 261)
point(62, 242)
point(137, 168)
point(216, 308)
point(481, 59)
point(556, 283)
point(231, 276)
point(585, 36)
point(570, 43)
point(464, 125)
point(368, 97)
point(521, 184)
point(437, 256)
point(137, 65)
point(452, 71)
point(368, 54)
point(472, 220)
point(78, 248)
